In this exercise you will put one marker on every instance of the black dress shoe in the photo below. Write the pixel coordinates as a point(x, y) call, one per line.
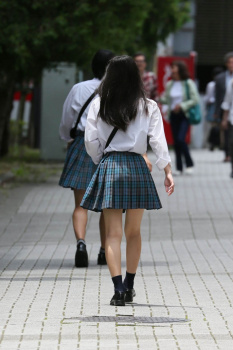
point(118, 299)
point(81, 257)
point(129, 295)
point(101, 259)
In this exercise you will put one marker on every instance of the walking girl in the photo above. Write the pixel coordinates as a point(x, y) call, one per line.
point(118, 124)
point(180, 95)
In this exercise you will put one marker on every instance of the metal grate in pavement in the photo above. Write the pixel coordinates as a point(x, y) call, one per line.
point(125, 319)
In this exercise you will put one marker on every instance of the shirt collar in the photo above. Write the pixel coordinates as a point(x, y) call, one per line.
point(228, 74)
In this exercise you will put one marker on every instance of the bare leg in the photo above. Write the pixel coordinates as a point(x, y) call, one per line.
point(79, 216)
point(113, 226)
point(133, 238)
point(102, 230)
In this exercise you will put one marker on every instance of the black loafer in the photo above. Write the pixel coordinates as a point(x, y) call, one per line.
point(129, 295)
point(101, 259)
point(118, 299)
point(81, 257)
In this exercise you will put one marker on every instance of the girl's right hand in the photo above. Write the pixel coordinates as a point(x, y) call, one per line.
point(148, 162)
point(69, 144)
point(169, 183)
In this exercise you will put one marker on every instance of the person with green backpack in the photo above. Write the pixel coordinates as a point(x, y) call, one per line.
point(182, 98)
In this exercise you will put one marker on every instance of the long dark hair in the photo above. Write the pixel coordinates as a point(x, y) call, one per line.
point(120, 92)
point(182, 69)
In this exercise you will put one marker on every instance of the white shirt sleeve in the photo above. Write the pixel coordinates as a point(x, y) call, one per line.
point(157, 139)
point(69, 114)
point(228, 99)
point(92, 143)
point(210, 92)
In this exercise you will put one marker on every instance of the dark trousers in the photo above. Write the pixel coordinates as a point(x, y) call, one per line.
point(179, 126)
point(230, 138)
point(225, 138)
point(226, 143)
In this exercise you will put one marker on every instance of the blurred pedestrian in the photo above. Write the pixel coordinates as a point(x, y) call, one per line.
point(213, 125)
point(118, 124)
point(149, 78)
point(175, 96)
point(227, 121)
point(222, 80)
point(78, 167)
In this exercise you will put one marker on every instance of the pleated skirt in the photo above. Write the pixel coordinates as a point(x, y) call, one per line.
point(79, 167)
point(121, 181)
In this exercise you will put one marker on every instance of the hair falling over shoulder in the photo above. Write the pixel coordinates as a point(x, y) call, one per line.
point(120, 92)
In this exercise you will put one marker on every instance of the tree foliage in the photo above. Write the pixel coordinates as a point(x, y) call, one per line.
point(34, 33)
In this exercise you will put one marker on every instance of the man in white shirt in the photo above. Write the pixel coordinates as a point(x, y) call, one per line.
point(222, 81)
point(227, 121)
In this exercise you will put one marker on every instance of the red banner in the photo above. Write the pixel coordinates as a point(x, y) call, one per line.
point(164, 75)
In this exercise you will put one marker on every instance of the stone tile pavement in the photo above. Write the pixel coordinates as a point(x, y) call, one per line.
point(184, 282)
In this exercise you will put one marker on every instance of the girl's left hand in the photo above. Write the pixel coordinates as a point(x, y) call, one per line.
point(169, 184)
point(148, 162)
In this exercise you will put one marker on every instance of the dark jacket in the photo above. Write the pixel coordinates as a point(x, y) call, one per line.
point(220, 89)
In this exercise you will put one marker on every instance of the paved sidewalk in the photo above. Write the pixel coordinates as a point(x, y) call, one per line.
point(184, 282)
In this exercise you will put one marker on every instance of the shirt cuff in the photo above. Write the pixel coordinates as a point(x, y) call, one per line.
point(225, 106)
point(162, 163)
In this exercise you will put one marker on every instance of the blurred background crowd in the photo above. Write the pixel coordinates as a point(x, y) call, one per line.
point(47, 46)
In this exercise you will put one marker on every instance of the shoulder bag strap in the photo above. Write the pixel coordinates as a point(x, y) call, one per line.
point(113, 133)
point(83, 109)
point(187, 89)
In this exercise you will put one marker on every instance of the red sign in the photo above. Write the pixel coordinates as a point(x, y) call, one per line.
point(164, 75)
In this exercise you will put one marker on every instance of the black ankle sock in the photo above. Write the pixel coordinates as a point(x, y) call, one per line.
point(102, 250)
point(118, 285)
point(129, 280)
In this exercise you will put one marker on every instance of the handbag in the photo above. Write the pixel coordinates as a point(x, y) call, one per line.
point(214, 136)
point(73, 130)
point(195, 111)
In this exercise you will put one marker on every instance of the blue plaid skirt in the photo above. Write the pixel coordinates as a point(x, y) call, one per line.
point(78, 168)
point(121, 181)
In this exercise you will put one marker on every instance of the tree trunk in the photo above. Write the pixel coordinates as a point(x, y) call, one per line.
point(6, 103)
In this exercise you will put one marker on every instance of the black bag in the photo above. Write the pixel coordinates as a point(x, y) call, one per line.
point(214, 136)
point(73, 130)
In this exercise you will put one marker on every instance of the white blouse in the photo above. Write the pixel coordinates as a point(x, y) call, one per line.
point(176, 94)
point(227, 104)
point(210, 92)
point(135, 137)
point(75, 100)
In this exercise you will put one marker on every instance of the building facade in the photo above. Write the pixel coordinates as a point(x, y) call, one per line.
point(213, 35)
point(209, 33)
